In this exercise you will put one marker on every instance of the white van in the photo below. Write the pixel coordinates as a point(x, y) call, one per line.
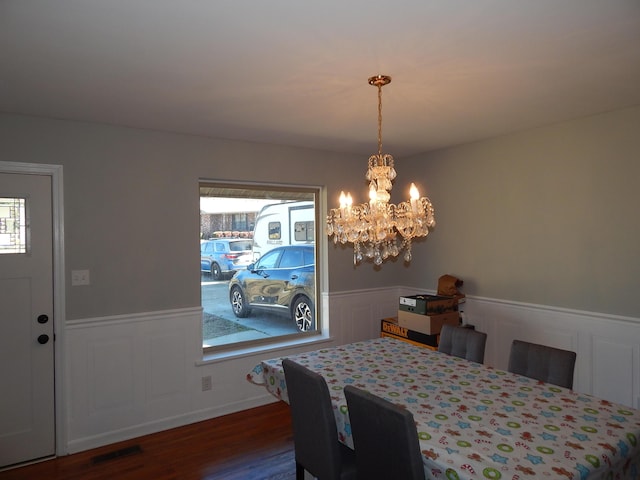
point(286, 223)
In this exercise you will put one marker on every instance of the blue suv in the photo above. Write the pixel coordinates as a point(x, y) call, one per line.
point(224, 256)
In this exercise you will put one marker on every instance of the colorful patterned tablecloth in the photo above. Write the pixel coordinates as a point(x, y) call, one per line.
point(476, 422)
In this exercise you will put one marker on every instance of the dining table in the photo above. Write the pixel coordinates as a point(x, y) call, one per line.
point(475, 421)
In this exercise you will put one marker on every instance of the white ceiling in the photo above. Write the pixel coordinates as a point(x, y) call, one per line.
point(295, 72)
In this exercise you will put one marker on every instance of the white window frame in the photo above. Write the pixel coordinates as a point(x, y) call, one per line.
point(221, 352)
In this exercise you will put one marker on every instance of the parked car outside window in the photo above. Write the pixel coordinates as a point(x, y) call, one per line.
point(282, 282)
point(224, 256)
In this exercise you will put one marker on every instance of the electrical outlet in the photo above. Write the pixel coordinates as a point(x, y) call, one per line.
point(206, 383)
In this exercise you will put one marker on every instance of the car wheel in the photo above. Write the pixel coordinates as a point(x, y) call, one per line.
point(216, 274)
point(239, 303)
point(303, 314)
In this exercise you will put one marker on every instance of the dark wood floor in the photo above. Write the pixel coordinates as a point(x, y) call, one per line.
point(256, 444)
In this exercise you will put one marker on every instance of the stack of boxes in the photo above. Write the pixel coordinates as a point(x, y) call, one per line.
point(420, 319)
point(428, 313)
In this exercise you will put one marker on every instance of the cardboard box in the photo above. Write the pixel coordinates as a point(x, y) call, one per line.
point(428, 324)
point(428, 304)
point(389, 328)
point(412, 342)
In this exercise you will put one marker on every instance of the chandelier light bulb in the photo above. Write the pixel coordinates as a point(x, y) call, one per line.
point(413, 192)
point(343, 200)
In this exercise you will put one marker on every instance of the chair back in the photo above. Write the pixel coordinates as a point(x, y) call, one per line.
point(462, 342)
point(315, 435)
point(540, 362)
point(385, 438)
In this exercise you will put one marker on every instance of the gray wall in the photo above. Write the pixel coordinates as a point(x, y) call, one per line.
point(548, 216)
point(132, 207)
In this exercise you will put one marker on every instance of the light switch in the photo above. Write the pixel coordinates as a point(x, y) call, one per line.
point(79, 277)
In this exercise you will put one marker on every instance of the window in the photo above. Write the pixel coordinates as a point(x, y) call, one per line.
point(304, 231)
point(269, 260)
point(258, 277)
point(291, 258)
point(240, 222)
point(275, 231)
point(13, 225)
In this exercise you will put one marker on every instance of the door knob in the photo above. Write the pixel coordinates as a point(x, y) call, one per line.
point(43, 318)
point(42, 339)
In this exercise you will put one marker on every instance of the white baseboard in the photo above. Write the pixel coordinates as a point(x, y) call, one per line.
point(140, 430)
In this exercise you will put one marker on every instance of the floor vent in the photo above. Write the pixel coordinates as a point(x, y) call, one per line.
point(123, 452)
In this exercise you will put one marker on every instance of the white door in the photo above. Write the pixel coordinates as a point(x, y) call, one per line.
point(27, 410)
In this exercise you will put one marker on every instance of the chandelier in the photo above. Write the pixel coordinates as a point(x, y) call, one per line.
point(379, 229)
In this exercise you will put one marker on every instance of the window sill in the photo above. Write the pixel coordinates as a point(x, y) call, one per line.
point(252, 350)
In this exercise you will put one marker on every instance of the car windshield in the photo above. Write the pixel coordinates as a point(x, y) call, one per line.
point(239, 246)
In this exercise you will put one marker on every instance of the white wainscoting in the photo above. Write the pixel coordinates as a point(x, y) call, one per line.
point(129, 375)
point(607, 346)
point(132, 375)
point(355, 315)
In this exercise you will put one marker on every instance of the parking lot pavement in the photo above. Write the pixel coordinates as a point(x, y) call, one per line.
point(215, 298)
point(221, 326)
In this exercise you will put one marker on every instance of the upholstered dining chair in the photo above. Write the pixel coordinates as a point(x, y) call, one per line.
point(315, 436)
point(462, 342)
point(540, 362)
point(384, 436)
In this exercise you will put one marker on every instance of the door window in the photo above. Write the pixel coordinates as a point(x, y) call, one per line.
point(13, 225)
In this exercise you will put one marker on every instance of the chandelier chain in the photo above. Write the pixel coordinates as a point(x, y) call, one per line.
point(379, 119)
